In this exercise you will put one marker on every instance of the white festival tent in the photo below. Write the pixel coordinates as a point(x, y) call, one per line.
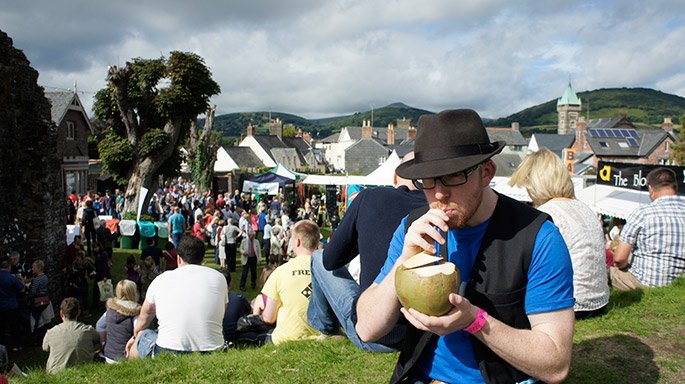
point(501, 185)
point(613, 201)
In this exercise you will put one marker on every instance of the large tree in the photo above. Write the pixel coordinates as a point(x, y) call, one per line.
point(150, 105)
point(202, 146)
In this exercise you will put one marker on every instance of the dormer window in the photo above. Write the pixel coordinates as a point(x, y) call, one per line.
point(604, 144)
point(71, 130)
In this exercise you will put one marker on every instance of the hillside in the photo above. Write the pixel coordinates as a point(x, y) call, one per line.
point(381, 117)
point(233, 124)
point(643, 106)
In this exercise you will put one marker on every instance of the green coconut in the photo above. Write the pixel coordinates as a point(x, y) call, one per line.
point(424, 282)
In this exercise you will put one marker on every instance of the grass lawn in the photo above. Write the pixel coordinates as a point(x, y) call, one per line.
point(640, 340)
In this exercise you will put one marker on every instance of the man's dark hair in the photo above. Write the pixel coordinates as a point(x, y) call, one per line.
point(5, 263)
point(191, 249)
point(70, 308)
point(662, 178)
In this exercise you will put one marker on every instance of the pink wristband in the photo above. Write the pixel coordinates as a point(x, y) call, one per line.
point(478, 323)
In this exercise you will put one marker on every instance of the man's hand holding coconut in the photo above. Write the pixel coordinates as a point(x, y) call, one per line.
point(426, 285)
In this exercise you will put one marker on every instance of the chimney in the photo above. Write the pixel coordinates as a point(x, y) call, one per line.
point(391, 134)
point(366, 130)
point(299, 132)
point(276, 128)
point(515, 126)
point(581, 143)
point(667, 125)
point(306, 136)
point(411, 133)
point(250, 129)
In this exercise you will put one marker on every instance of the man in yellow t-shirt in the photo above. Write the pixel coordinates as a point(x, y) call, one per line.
point(289, 287)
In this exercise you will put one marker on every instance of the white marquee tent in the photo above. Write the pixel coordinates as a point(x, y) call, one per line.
point(613, 201)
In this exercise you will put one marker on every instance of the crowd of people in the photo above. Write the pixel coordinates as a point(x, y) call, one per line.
point(528, 272)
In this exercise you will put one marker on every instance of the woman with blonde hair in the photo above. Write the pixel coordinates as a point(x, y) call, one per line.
point(549, 186)
point(116, 324)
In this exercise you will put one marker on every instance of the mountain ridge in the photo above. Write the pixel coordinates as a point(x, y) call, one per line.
point(643, 106)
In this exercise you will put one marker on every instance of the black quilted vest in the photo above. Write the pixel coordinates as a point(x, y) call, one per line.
point(497, 284)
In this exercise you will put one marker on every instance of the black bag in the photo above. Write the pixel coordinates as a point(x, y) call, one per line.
point(251, 331)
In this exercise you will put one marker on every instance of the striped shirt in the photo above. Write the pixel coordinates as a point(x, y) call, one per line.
point(657, 233)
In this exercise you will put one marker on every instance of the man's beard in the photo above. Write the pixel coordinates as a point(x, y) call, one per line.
point(460, 214)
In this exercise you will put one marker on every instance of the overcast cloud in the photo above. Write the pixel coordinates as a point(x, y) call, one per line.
point(322, 58)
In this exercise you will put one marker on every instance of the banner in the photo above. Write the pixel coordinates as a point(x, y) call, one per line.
point(569, 159)
point(634, 176)
point(260, 188)
point(141, 201)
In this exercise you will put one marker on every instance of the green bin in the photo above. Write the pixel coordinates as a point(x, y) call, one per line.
point(127, 242)
point(127, 228)
point(162, 234)
point(147, 230)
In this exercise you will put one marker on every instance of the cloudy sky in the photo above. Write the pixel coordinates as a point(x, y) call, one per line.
point(318, 58)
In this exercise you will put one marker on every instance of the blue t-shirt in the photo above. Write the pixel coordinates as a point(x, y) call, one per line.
point(550, 288)
point(261, 220)
point(177, 221)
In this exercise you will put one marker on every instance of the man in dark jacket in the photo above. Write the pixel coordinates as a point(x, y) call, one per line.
point(365, 230)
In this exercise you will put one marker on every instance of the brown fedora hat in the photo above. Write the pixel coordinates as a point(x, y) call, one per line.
point(449, 142)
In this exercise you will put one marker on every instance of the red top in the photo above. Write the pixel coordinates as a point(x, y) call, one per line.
point(198, 230)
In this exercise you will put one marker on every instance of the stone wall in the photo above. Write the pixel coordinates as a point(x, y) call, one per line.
point(32, 217)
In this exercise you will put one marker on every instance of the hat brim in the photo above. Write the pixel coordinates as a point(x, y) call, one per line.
point(413, 170)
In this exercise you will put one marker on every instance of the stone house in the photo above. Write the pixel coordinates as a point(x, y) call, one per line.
point(73, 129)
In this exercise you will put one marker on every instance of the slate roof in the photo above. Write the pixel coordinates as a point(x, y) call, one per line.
point(647, 141)
point(506, 163)
point(331, 139)
point(554, 142)
point(60, 102)
point(402, 148)
point(362, 156)
point(285, 156)
point(508, 135)
point(610, 122)
point(271, 143)
point(244, 157)
point(298, 143)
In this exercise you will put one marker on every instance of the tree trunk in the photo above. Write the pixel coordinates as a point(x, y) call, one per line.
point(202, 152)
point(144, 175)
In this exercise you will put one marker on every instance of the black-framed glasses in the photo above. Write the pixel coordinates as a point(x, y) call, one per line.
point(451, 180)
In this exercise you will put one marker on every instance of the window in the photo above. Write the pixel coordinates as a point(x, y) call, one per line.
point(604, 144)
point(71, 130)
point(622, 144)
point(666, 146)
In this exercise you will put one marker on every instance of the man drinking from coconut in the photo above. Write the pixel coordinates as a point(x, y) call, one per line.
point(511, 319)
